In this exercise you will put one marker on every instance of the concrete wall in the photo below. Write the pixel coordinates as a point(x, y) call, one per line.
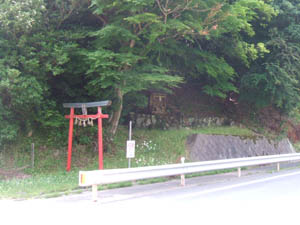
point(202, 147)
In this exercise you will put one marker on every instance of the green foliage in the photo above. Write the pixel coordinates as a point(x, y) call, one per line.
point(220, 73)
point(19, 95)
point(9, 130)
point(254, 86)
point(32, 52)
point(133, 100)
point(242, 14)
point(136, 36)
point(276, 80)
point(49, 117)
point(49, 178)
point(79, 50)
point(19, 17)
point(119, 59)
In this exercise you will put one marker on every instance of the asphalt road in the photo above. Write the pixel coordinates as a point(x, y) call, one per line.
point(258, 198)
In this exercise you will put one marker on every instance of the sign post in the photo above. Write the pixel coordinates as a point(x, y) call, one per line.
point(130, 146)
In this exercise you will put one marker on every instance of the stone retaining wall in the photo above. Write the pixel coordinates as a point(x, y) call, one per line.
point(169, 121)
point(202, 147)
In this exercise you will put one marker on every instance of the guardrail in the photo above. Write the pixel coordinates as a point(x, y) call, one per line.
point(99, 177)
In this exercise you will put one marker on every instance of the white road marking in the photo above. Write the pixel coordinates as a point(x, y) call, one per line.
point(195, 194)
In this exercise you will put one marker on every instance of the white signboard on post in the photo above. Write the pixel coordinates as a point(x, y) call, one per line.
point(130, 149)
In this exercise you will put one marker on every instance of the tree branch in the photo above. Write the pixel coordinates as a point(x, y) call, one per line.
point(62, 12)
point(102, 19)
point(163, 11)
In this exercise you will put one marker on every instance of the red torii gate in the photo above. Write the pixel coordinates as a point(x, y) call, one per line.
point(86, 118)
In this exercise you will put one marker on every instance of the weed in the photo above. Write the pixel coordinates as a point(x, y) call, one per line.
point(48, 177)
point(153, 180)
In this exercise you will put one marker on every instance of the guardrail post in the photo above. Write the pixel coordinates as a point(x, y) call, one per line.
point(239, 172)
point(278, 167)
point(94, 192)
point(182, 175)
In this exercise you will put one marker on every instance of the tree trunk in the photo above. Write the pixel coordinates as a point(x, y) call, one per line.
point(117, 114)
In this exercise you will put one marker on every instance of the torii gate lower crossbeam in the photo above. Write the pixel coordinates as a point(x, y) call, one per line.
point(98, 116)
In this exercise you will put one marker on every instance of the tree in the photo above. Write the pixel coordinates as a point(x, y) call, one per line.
point(127, 50)
point(32, 52)
point(18, 93)
point(275, 80)
point(66, 50)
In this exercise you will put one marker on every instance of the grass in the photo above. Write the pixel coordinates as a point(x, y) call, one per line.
point(297, 147)
point(49, 178)
point(38, 185)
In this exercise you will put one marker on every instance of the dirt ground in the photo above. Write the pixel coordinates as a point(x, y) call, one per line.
point(13, 173)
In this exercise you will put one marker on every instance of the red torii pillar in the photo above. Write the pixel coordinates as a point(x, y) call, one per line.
point(98, 116)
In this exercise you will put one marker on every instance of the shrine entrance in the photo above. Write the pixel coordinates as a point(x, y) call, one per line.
point(83, 120)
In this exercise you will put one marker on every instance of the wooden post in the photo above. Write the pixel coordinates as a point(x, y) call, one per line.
point(32, 155)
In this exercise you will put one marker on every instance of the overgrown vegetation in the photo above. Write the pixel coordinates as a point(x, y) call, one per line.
point(48, 177)
point(54, 51)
